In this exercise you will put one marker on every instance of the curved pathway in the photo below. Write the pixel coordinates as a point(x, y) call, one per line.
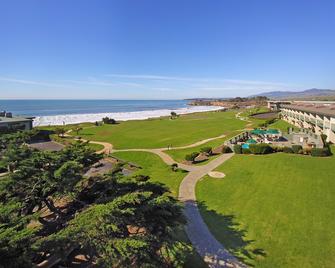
point(211, 250)
point(108, 147)
point(195, 144)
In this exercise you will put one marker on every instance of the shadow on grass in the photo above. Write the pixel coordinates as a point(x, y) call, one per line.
point(231, 235)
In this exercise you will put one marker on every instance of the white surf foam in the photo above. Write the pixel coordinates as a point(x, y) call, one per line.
point(57, 120)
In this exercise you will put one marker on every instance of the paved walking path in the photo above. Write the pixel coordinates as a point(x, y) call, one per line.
point(108, 147)
point(211, 250)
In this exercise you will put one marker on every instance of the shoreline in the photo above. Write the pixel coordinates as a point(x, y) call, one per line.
point(67, 119)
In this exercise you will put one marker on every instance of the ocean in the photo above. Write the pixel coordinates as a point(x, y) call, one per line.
point(60, 112)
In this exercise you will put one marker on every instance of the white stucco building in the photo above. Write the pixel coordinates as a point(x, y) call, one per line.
point(317, 117)
point(8, 122)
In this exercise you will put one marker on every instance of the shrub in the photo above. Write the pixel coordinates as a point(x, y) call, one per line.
point(306, 151)
point(191, 157)
point(173, 115)
point(226, 150)
point(207, 150)
point(288, 150)
point(320, 152)
point(261, 148)
point(142, 178)
point(277, 148)
point(237, 149)
point(174, 167)
point(3, 169)
point(246, 151)
point(108, 120)
point(297, 149)
point(324, 138)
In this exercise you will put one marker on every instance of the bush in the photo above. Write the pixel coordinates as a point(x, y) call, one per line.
point(307, 151)
point(297, 149)
point(191, 157)
point(173, 115)
point(320, 152)
point(246, 151)
point(174, 167)
point(3, 169)
point(108, 120)
point(207, 150)
point(288, 150)
point(261, 148)
point(237, 149)
point(277, 148)
point(324, 138)
point(226, 150)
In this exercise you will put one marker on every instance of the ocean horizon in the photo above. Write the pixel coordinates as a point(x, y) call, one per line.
point(61, 112)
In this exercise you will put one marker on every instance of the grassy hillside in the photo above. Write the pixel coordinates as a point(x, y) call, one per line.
point(275, 210)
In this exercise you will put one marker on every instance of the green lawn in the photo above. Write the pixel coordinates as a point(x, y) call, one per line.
point(179, 155)
point(251, 111)
point(275, 210)
point(281, 125)
point(162, 132)
point(153, 166)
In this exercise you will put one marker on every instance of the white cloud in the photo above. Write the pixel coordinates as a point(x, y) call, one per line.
point(153, 86)
point(154, 77)
point(217, 81)
point(30, 82)
point(103, 83)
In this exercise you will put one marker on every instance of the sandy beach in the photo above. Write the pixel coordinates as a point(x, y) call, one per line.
point(66, 119)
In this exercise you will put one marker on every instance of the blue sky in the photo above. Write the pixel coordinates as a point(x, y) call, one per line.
point(164, 49)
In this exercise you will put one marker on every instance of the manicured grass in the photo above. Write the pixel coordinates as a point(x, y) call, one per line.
point(282, 125)
point(274, 210)
point(179, 154)
point(251, 111)
point(153, 166)
point(162, 132)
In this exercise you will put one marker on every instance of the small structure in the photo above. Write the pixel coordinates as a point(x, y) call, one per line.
point(218, 150)
point(8, 122)
point(274, 105)
point(201, 157)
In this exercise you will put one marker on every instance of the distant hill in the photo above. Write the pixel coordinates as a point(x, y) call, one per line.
point(313, 93)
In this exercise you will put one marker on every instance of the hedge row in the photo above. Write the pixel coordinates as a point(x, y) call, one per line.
point(321, 152)
point(262, 148)
point(208, 150)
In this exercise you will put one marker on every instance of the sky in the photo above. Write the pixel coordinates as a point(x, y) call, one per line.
point(164, 49)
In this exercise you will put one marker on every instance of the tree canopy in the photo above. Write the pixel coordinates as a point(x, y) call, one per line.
point(49, 208)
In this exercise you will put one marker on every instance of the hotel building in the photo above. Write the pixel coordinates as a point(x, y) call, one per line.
point(315, 116)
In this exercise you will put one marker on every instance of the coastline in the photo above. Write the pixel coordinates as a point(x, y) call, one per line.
point(66, 119)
